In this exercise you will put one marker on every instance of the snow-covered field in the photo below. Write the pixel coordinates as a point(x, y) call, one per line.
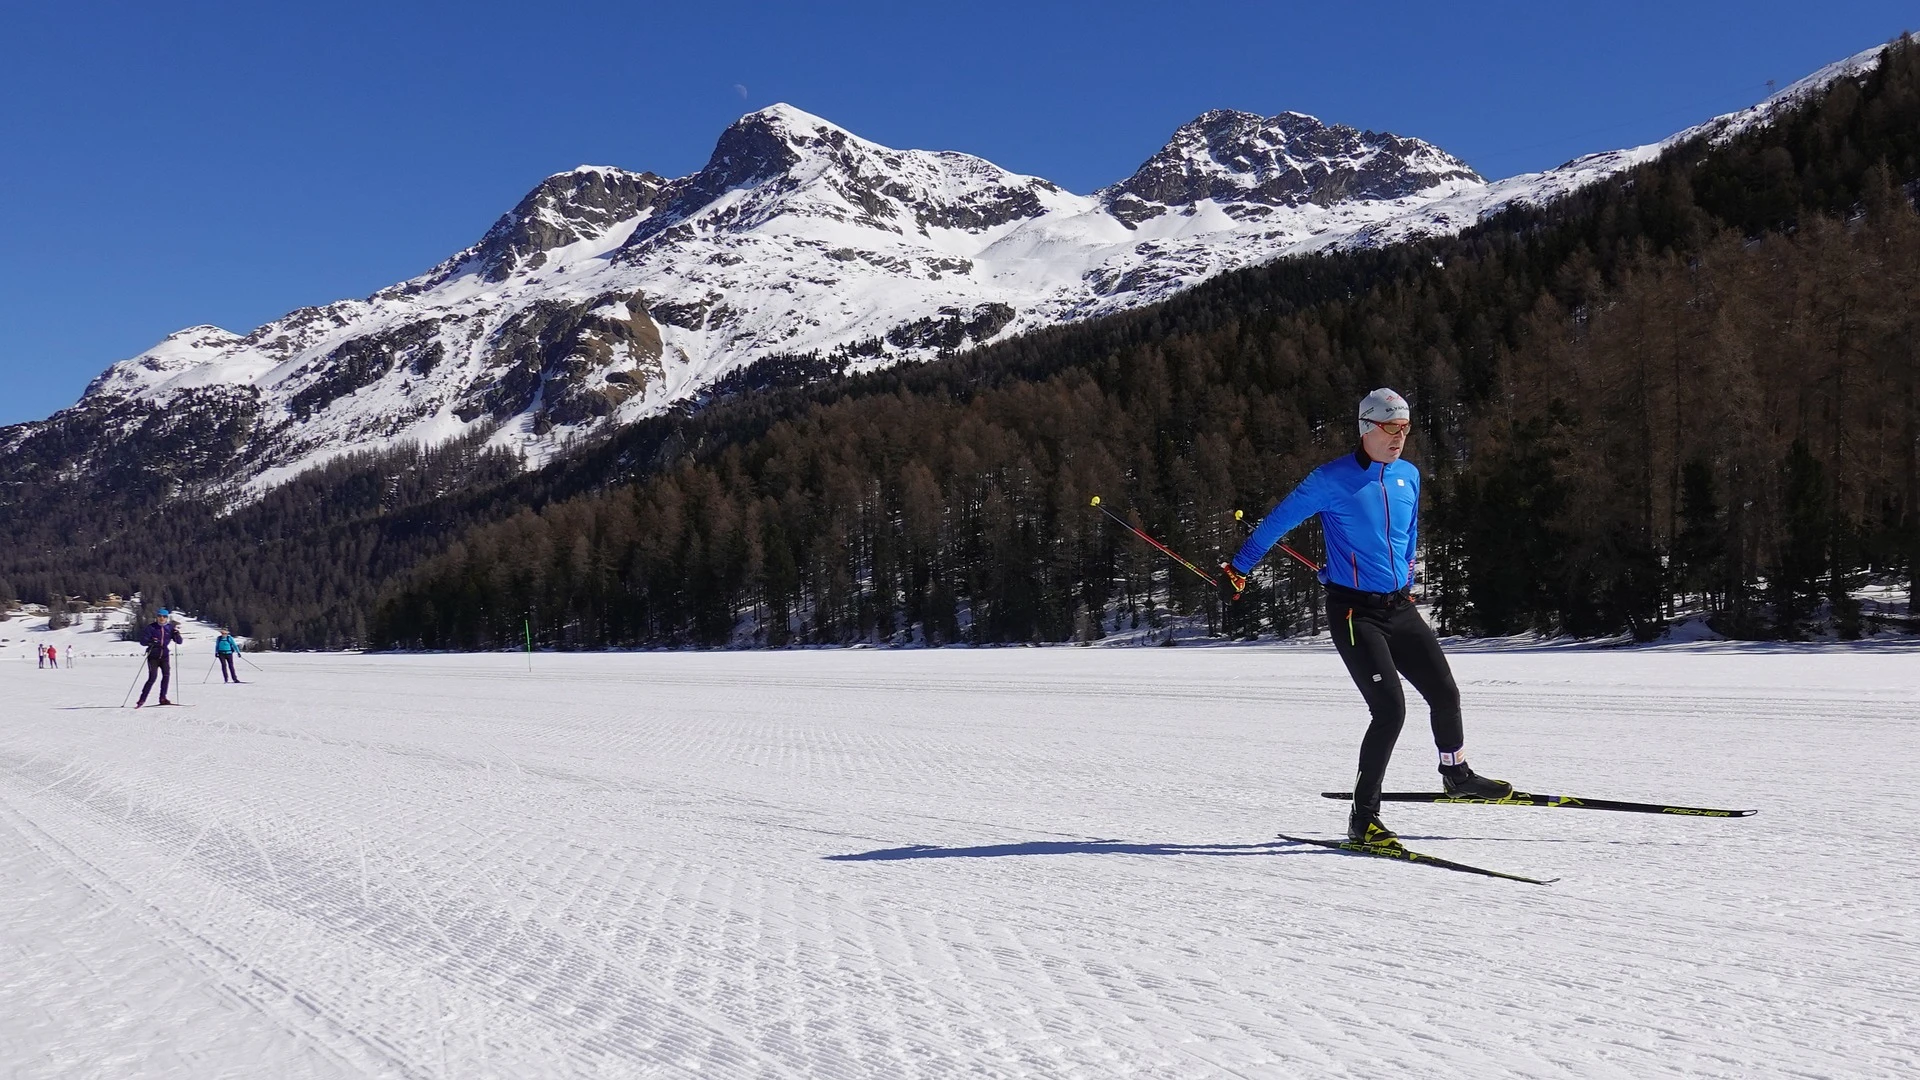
point(995, 863)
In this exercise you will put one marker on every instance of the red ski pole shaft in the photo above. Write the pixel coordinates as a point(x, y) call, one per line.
point(1163, 549)
point(1240, 517)
point(1311, 565)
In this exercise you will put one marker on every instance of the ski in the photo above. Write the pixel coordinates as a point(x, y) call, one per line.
point(1521, 798)
point(1395, 851)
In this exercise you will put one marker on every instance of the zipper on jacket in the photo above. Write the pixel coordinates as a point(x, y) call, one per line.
point(1386, 504)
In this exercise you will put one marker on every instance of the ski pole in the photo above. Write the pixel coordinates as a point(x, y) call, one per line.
point(1163, 549)
point(209, 674)
point(1240, 516)
point(131, 685)
point(250, 663)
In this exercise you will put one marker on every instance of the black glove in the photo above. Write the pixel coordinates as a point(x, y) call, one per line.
point(1232, 583)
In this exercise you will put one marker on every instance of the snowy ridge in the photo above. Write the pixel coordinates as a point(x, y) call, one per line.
point(1451, 214)
point(1253, 163)
point(607, 295)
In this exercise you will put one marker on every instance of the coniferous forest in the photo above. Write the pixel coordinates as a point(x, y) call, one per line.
point(1693, 387)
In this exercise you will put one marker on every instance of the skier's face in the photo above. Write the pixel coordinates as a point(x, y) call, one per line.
point(1385, 441)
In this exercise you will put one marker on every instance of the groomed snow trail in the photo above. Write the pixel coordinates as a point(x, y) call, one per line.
point(995, 863)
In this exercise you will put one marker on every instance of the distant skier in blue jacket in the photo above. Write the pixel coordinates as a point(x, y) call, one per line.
point(1369, 508)
point(224, 648)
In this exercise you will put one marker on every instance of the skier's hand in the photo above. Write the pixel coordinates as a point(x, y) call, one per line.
point(1232, 583)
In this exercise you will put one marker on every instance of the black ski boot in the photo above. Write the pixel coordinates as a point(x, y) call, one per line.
point(1364, 827)
point(1363, 824)
point(1462, 782)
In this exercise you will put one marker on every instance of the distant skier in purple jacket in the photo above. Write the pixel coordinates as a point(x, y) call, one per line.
point(157, 636)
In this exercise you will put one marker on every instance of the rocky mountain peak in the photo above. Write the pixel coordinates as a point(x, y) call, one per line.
point(563, 209)
point(795, 124)
point(765, 144)
point(783, 161)
point(1234, 157)
point(761, 147)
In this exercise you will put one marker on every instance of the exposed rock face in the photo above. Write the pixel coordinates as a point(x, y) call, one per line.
point(951, 329)
point(363, 361)
point(573, 361)
point(133, 445)
point(1285, 160)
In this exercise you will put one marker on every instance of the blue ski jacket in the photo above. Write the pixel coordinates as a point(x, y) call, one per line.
point(1370, 514)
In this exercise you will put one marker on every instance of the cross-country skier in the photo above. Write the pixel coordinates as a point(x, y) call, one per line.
point(224, 648)
point(157, 635)
point(1369, 507)
point(53, 657)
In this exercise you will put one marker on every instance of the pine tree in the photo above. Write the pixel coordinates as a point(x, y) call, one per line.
point(1802, 558)
point(1700, 549)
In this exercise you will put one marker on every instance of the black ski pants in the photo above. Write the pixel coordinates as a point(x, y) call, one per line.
point(1382, 637)
point(226, 668)
point(157, 667)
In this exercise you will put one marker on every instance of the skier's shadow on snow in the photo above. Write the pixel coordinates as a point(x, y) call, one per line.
point(1064, 847)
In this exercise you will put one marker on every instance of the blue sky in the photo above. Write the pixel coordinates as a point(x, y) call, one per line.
point(225, 163)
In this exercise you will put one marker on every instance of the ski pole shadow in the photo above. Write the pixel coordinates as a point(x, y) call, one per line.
point(1059, 847)
point(82, 708)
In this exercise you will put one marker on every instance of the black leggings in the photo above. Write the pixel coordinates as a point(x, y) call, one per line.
point(226, 668)
point(1379, 645)
point(157, 667)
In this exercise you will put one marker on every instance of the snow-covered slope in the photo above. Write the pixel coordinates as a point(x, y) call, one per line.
point(95, 635)
point(1026, 864)
point(607, 295)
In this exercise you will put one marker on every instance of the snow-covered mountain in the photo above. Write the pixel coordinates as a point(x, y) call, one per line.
point(607, 295)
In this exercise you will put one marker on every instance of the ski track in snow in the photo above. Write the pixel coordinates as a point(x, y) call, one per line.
point(993, 863)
